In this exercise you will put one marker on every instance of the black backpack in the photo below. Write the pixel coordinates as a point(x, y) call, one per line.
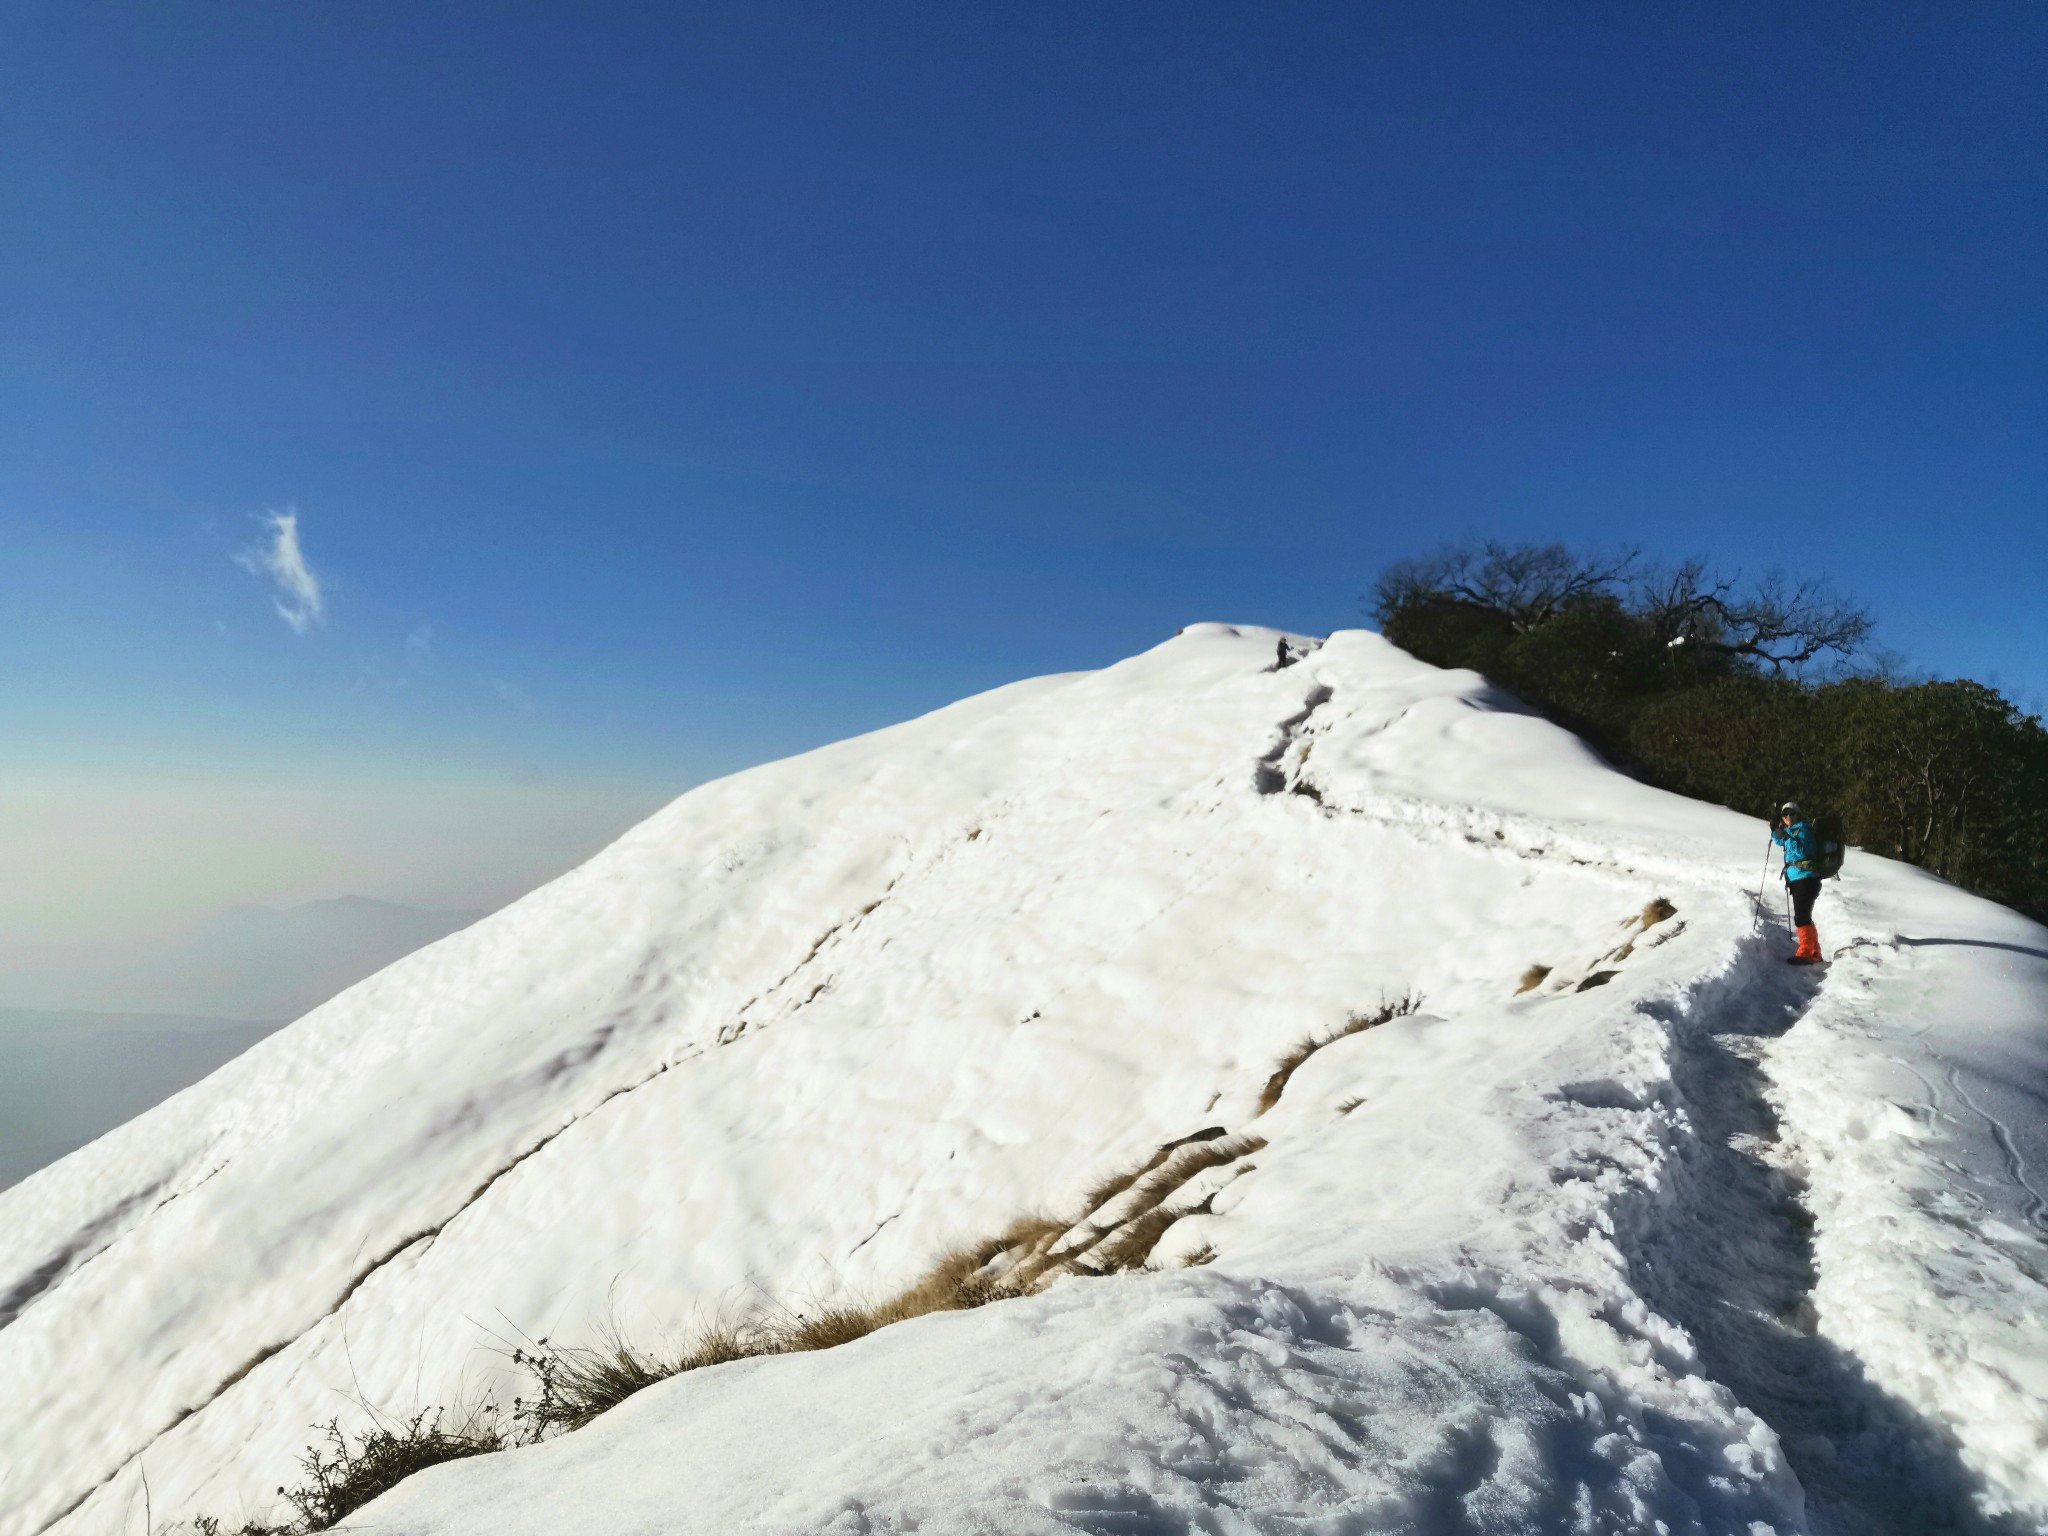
point(1829, 845)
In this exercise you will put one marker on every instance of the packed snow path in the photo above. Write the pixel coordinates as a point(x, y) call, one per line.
point(1870, 1465)
point(1665, 1236)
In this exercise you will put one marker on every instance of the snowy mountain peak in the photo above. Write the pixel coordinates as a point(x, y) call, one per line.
point(1380, 1115)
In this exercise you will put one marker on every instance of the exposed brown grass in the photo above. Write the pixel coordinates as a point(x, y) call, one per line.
point(957, 1281)
point(1653, 913)
point(576, 1385)
point(1297, 1053)
point(1129, 1243)
point(716, 1345)
point(829, 1329)
point(1532, 978)
point(573, 1386)
point(1102, 1191)
point(1308, 1045)
point(1195, 1159)
point(1107, 1189)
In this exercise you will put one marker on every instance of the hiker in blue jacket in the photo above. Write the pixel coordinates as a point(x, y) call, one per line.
point(1794, 834)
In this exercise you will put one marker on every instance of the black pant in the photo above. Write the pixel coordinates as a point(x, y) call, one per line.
point(1803, 892)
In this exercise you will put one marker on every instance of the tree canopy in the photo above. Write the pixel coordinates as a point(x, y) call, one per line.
point(1713, 687)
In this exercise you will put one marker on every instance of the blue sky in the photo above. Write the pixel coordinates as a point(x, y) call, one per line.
point(661, 388)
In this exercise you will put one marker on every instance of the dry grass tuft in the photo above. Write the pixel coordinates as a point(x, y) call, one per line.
point(828, 1330)
point(1105, 1190)
point(1532, 978)
point(1666, 936)
point(717, 1345)
point(576, 1385)
point(957, 1282)
point(1653, 913)
point(1308, 1045)
point(1297, 1053)
point(1131, 1244)
point(573, 1386)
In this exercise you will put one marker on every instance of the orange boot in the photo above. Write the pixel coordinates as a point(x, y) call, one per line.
point(1809, 946)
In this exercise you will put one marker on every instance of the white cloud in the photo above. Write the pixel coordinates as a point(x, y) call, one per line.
point(300, 605)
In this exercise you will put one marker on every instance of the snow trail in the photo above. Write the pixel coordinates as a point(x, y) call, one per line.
point(1734, 1264)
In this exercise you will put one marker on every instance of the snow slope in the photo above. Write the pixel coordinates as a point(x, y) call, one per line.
point(1679, 1239)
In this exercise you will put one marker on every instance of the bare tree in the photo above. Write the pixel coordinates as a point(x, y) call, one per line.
point(1526, 584)
point(1779, 621)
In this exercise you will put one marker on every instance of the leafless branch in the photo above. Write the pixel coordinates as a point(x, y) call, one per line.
point(1526, 584)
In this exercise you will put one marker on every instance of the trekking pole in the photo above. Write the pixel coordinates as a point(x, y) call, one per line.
point(1766, 875)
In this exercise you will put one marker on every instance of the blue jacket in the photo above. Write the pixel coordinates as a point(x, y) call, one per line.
point(1797, 841)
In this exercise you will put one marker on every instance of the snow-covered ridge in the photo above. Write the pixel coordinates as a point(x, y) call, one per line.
point(1519, 1260)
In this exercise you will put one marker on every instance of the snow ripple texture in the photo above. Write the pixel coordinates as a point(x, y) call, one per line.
point(1672, 1240)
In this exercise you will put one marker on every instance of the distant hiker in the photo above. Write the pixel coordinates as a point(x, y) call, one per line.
point(1795, 835)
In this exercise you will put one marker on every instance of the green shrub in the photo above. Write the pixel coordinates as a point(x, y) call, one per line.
point(1950, 776)
point(1697, 688)
point(1749, 743)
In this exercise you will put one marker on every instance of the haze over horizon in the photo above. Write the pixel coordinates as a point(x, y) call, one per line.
point(93, 1035)
point(251, 963)
point(437, 437)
